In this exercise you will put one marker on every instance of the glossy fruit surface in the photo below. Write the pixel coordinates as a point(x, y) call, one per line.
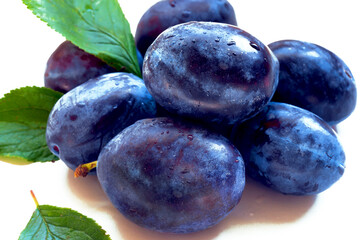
point(214, 72)
point(70, 66)
point(290, 150)
point(315, 79)
point(168, 13)
point(90, 115)
point(171, 176)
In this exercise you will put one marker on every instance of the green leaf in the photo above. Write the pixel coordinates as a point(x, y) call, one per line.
point(23, 118)
point(50, 222)
point(99, 27)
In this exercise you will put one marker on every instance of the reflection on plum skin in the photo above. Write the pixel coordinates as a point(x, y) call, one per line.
point(259, 204)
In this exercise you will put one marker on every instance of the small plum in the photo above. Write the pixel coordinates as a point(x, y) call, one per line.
point(290, 150)
point(314, 78)
point(168, 13)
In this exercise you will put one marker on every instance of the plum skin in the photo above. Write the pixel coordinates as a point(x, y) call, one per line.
point(168, 13)
point(212, 72)
point(171, 176)
point(84, 119)
point(69, 66)
point(290, 149)
point(314, 78)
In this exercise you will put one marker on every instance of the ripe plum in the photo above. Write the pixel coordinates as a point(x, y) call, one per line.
point(209, 71)
point(171, 176)
point(69, 66)
point(290, 150)
point(168, 13)
point(90, 115)
point(314, 78)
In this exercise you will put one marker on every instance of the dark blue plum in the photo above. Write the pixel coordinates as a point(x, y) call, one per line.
point(69, 66)
point(290, 150)
point(209, 71)
point(90, 115)
point(168, 13)
point(314, 78)
point(171, 176)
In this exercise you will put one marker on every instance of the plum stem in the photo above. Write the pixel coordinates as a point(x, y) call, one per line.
point(84, 169)
point(34, 198)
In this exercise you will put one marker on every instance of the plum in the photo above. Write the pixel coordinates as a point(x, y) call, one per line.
point(290, 150)
point(212, 72)
point(168, 13)
point(169, 175)
point(314, 78)
point(69, 66)
point(90, 115)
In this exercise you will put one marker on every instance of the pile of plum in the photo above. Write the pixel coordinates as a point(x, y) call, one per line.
point(214, 102)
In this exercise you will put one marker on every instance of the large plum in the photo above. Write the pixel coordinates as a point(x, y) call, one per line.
point(314, 78)
point(214, 72)
point(168, 13)
point(171, 176)
point(290, 150)
point(90, 115)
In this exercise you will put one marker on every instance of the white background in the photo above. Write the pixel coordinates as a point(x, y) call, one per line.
point(25, 45)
